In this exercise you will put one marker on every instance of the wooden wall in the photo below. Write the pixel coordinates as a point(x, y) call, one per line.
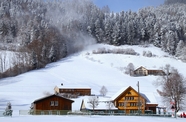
point(79, 92)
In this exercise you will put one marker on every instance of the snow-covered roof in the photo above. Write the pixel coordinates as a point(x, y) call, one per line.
point(51, 96)
point(150, 97)
point(141, 67)
point(118, 93)
point(148, 68)
point(103, 104)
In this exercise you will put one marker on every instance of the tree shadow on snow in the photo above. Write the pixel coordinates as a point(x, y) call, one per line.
point(6, 81)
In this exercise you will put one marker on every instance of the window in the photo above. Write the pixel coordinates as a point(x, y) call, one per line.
point(51, 103)
point(133, 104)
point(129, 98)
point(121, 104)
point(56, 103)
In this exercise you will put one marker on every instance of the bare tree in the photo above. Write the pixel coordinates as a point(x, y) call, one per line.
point(173, 86)
point(103, 91)
point(93, 102)
point(46, 93)
point(31, 111)
point(129, 69)
point(110, 105)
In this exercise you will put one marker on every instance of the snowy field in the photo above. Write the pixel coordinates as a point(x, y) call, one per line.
point(91, 70)
point(88, 119)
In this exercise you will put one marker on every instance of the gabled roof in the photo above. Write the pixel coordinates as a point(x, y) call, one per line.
point(148, 96)
point(121, 91)
point(141, 68)
point(52, 96)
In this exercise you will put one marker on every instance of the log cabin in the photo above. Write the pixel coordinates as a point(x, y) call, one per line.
point(52, 102)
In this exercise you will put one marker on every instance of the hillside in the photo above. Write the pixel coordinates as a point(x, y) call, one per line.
point(86, 69)
point(42, 32)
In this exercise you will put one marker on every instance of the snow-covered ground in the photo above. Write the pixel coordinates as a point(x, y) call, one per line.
point(88, 119)
point(83, 69)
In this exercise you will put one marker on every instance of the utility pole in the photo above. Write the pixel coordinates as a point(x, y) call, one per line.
point(138, 99)
point(125, 107)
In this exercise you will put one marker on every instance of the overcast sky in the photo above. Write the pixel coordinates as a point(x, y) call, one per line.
point(134, 5)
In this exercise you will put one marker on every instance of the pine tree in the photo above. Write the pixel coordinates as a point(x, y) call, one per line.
point(8, 110)
point(52, 54)
point(34, 60)
point(179, 48)
point(116, 34)
point(98, 30)
point(171, 43)
point(108, 31)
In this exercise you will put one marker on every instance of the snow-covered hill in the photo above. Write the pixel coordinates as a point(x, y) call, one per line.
point(86, 69)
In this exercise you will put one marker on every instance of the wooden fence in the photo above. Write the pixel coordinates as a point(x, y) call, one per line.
point(43, 112)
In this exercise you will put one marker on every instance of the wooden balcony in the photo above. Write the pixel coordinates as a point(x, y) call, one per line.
point(130, 107)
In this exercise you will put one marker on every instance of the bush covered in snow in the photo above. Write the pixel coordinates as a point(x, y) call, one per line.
point(128, 51)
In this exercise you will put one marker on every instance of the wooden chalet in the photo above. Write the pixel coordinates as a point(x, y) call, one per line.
point(142, 71)
point(52, 102)
point(73, 91)
point(129, 101)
